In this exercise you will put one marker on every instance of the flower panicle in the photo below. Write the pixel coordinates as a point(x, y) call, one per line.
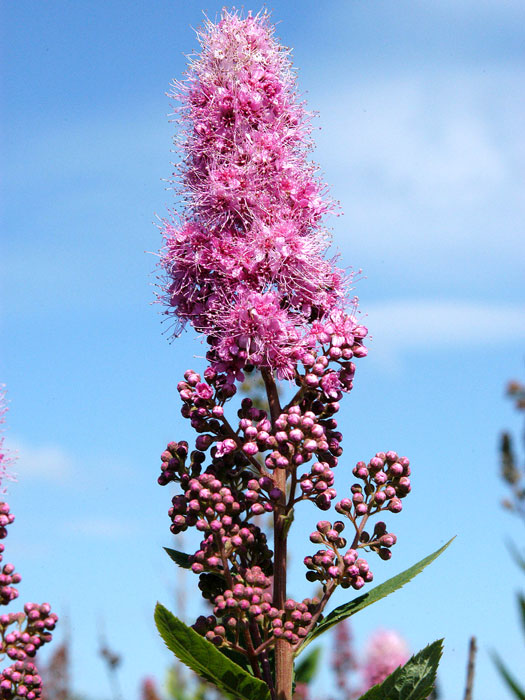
point(246, 264)
point(253, 203)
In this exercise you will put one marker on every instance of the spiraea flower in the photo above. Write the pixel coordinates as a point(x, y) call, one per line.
point(385, 651)
point(245, 262)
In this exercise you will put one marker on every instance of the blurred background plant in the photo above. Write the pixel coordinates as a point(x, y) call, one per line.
point(513, 474)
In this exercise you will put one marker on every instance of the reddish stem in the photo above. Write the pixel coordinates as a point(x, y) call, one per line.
point(283, 649)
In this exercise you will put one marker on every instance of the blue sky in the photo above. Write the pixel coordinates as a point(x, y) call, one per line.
point(421, 109)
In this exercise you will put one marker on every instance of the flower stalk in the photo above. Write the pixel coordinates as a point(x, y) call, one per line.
point(245, 264)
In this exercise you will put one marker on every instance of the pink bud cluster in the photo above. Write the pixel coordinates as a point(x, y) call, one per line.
point(386, 482)
point(220, 500)
point(253, 603)
point(18, 641)
point(21, 680)
point(8, 577)
point(19, 644)
point(330, 564)
point(294, 624)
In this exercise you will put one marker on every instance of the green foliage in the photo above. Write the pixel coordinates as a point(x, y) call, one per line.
point(306, 670)
point(514, 476)
point(511, 682)
point(381, 591)
point(413, 681)
point(521, 602)
point(180, 558)
point(206, 660)
point(237, 658)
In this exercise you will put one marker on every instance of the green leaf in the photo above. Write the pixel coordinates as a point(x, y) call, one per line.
point(508, 678)
point(306, 670)
point(362, 601)
point(413, 681)
point(180, 558)
point(521, 601)
point(237, 658)
point(206, 660)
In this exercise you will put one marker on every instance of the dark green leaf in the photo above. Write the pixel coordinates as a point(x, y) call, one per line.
point(306, 670)
point(521, 601)
point(237, 658)
point(508, 678)
point(206, 660)
point(179, 558)
point(362, 601)
point(413, 681)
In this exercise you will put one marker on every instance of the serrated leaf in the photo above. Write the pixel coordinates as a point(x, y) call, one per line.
point(413, 681)
point(180, 558)
point(508, 678)
point(362, 601)
point(206, 660)
point(306, 670)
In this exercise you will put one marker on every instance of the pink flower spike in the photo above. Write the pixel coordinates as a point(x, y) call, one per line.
point(251, 239)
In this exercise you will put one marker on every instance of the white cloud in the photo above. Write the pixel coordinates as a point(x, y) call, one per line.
point(432, 158)
point(41, 462)
point(402, 325)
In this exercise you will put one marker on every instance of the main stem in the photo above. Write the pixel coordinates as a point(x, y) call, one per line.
point(283, 649)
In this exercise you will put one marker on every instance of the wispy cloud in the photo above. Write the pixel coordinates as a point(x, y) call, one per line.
point(50, 463)
point(429, 325)
point(437, 158)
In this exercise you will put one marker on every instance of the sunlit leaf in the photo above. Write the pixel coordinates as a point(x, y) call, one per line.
point(377, 593)
point(413, 681)
point(306, 669)
point(206, 660)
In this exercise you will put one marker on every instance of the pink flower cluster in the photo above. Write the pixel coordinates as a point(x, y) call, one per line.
point(23, 633)
point(247, 265)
